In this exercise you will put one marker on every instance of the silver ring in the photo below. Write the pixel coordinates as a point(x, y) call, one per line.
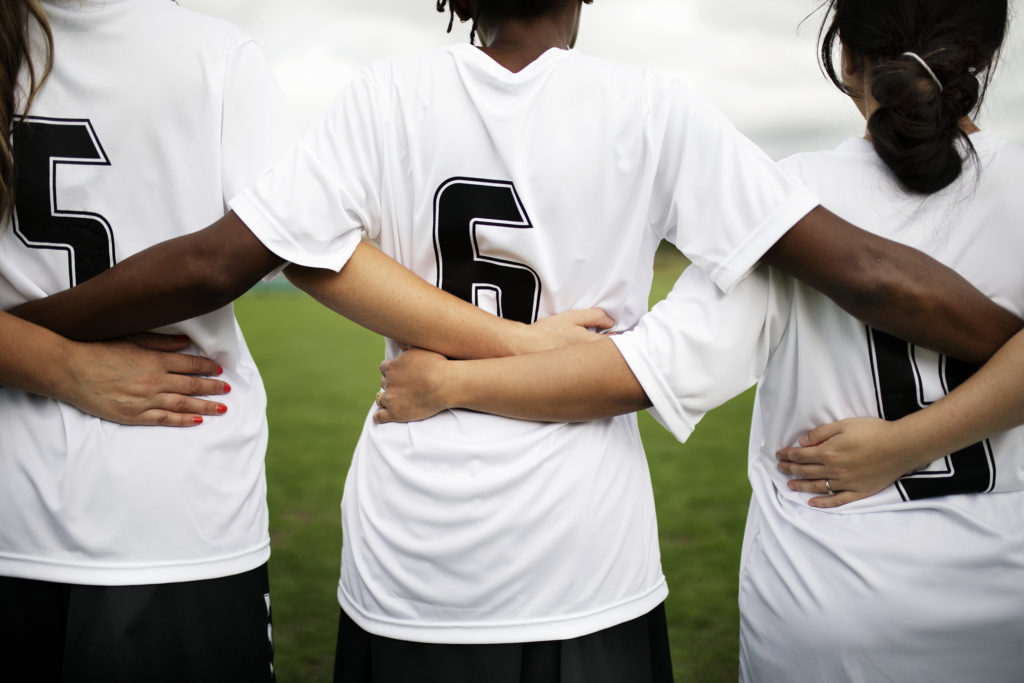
point(380, 395)
point(828, 487)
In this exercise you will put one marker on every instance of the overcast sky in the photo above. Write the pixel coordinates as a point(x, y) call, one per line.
point(751, 57)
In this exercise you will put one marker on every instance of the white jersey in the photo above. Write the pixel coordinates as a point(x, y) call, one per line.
point(921, 581)
point(153, 116)
point(528, 193)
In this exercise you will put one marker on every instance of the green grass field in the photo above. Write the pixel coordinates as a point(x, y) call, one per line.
point(321, 377)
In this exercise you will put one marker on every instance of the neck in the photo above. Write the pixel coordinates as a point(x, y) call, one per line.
point(515, 43)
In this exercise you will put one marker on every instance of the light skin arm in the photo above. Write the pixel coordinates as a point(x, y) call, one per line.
point(205, 270)
point(861, 456)
point(574, 383)
point(126, 382)
point(893, 287)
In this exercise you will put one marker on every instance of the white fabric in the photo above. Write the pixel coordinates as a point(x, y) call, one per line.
point(469, 528)
point(186, 114)
point(882, 589)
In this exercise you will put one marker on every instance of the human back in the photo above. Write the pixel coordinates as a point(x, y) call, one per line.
point(527, 192)
point(140, 121)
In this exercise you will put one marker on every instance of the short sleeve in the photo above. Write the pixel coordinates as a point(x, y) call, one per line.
point(313, 206)
point(256, 128)
point(699, 347)
point(723, 201)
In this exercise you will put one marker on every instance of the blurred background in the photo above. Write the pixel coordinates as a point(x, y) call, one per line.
point(755, 59)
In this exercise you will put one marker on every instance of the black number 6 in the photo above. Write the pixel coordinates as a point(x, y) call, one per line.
point(460, 206)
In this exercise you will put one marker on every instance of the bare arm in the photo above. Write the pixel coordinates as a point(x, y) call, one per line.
point(861, 456)
point(580, 382)
point(379, 294)
point(893, 287)
point(171, 281)
point(202, 271)
point(118, 381)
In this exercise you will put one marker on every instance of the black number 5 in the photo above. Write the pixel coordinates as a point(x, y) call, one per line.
point(899, 382)
point(461, 205)
point(40, 147)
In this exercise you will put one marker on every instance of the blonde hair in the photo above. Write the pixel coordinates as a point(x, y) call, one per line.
point(15, 50)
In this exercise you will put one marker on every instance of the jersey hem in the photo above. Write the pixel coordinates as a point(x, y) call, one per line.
point(123, 575)
point(559, 628)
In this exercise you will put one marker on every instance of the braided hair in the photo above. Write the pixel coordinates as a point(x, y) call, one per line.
point(931, 62)
point(496, 10)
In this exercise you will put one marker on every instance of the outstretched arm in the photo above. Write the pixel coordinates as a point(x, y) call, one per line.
point(861, 456)
point(580, 382)
point(893, 287)
point(118, 381)
point(200, 272)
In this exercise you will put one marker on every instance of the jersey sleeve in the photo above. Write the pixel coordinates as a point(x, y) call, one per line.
point(698, 347)
point(256, 127)
point(313, 206)
point(723, 201)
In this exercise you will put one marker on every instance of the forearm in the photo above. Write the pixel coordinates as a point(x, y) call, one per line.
point(169, 282)
point(32, 358)
point(893, 287)
point(990, 401)
point(574, 383)
point(378, 293)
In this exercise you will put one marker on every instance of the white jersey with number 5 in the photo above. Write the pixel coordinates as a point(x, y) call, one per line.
point(527, 193)
point(924, 580)
point(152, 117)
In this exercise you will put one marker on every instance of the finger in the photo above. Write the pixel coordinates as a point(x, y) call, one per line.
point(188, 385)
point(841, 498)
point(160, 342)
point(815, 486)
point(166, 418)
point(594, 317)
point(798, 454)
point(185, 364)
point(188, 405)
point(810, 471)
point(382, 416)
point(820, 434)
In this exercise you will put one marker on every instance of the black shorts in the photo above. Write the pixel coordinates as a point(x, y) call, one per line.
point(634, 652)
point(214, 630)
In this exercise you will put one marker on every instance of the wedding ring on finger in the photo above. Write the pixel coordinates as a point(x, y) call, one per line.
point(380, 395)
point(828, 486)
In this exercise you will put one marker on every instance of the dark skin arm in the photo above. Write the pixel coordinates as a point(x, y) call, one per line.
point(205, 270)
point(894, 288)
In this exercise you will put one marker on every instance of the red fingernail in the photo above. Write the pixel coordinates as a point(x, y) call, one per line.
point(182, 338)
point(221, 408)
point(219, 369)
point(227, 388)
point(197, 419)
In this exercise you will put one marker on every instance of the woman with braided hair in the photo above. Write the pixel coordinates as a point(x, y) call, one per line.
point(922, 580)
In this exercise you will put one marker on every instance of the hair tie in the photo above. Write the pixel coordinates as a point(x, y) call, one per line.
point(924, 65)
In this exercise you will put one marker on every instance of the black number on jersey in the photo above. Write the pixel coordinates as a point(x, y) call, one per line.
point(899, 391)
point(41, 146)
point(461, 206)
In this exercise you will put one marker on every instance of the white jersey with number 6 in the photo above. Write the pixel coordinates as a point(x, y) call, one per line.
point(527, 193)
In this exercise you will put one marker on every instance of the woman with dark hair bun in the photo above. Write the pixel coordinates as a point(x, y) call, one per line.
point(922, 580)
